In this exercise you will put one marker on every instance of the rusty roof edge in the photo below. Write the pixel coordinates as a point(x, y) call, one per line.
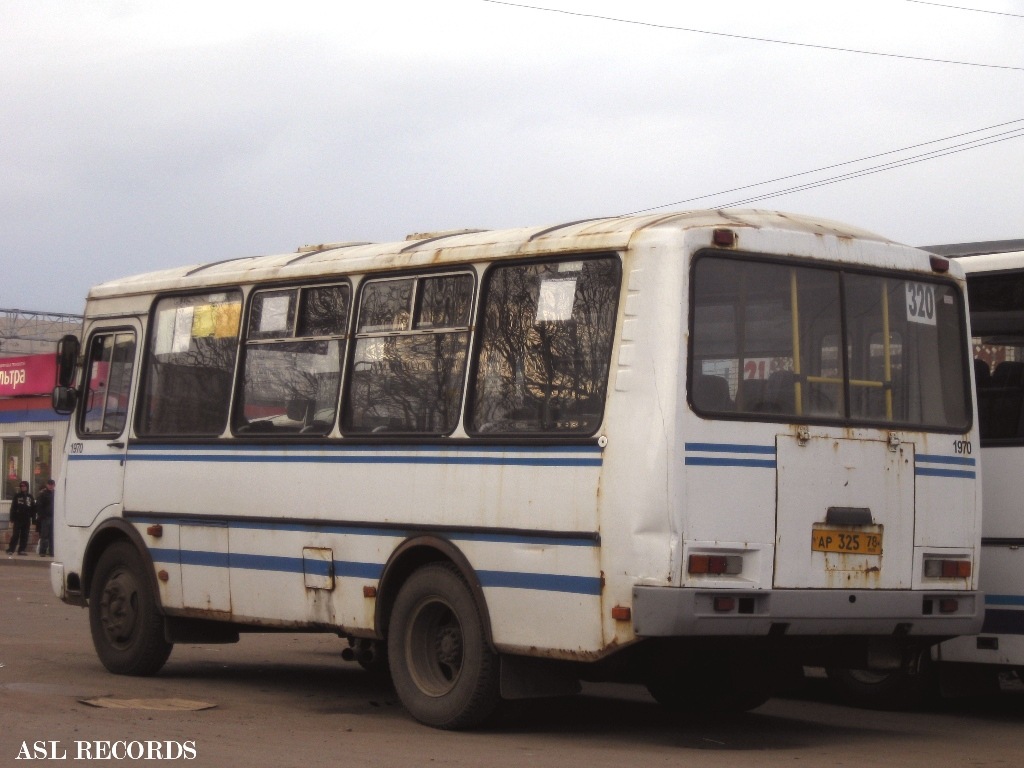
point(443, 236)
point(212, 264)
point(309, 250)
point(554, 228)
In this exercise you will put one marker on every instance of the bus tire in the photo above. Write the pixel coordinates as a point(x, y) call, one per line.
point(441, 665)
point(713, 685)
point(896, 690)
point(127, 627)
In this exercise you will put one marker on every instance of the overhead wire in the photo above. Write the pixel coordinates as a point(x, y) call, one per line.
point(963, 8)
point(734, 36)
point(1016, 133)
point(1019, 133)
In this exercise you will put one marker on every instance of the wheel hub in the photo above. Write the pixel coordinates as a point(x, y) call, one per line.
point(119, 607)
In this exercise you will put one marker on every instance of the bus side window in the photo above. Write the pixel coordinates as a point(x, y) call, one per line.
point(1005, 399)
point(546, 334)
point(108, 384)
point(294, 348)
point(409, 358)
point(190, 362)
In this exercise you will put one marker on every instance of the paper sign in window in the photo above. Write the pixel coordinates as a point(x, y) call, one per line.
point(274, 317)
point(183, 319)
point(202, 321)
point(554, 305)
point(226, 319)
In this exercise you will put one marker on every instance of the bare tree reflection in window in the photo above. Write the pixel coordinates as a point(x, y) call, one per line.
point(290, 386)
point(408, 370)
point(547, 331)
point(190, 364)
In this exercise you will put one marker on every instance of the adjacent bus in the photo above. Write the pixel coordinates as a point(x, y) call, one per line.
point(685, 450)
point(972, 664)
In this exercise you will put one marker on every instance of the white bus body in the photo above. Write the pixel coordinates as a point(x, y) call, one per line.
point(995, 275)
point(628, 448)
point(971, 663)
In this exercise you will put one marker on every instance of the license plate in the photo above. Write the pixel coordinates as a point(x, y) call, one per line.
point(846, 542)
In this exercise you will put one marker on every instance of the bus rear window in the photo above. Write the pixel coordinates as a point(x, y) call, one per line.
point(791, 342)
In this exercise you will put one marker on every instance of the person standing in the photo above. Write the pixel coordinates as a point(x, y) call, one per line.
point(23, 508)
point(44, 519)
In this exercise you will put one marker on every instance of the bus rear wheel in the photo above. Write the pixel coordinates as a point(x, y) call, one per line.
point(441, 665)
point(127, 628)
point(713, 684)
point(892, 690)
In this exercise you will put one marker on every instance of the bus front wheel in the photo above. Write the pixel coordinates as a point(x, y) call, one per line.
point(127, 628)
point(442, 667)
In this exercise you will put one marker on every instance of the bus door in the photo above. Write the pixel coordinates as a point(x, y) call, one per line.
point(842, 517)
point(98, 445)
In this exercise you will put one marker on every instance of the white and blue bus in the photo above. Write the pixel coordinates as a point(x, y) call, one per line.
point(972, 664)
point(685, 450)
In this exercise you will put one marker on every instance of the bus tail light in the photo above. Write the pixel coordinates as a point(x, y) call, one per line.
point(723, 238)
point(947, 569)
point(949, 605)
point(723, 604)
point(714, 565)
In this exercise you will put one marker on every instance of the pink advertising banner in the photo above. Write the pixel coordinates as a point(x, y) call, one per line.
point(30, 375)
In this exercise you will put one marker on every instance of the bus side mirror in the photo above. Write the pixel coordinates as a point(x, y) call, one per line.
point(64, 399)
point(67, 359)
point(65, 396)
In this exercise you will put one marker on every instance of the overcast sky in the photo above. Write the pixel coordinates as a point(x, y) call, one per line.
point(142, 134)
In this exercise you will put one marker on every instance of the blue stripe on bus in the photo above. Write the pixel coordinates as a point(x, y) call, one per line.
point(495, 537)
point(542, 582)
point(1004, 600)
point(933, 472)
point(729, 448)
point(941, 471)
point(742, 460)
point(525, 456)
point(710, 461)
point(934, 458)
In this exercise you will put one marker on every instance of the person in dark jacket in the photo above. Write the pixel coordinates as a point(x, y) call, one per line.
point(23, 509)
point(44, 519)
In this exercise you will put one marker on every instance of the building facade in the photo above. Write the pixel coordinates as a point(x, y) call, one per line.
point(31, 434)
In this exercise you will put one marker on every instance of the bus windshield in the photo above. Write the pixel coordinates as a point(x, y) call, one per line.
point(789, 342)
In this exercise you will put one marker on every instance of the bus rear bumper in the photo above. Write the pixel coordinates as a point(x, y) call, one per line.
point(683, 612)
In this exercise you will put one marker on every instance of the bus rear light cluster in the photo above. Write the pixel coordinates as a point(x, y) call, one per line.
point(714, 565)
point(947, 569)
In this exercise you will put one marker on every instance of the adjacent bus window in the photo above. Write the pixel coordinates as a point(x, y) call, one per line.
point(409, 360)
point(294, 349)
point(998, 323)
point(786, 342)
point(545, 344)
point(189, 365)
point(108, 381)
